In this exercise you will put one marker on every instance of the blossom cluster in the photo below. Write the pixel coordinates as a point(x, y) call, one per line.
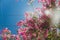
point(36, 25)
point(6, 35)
point(49, 3)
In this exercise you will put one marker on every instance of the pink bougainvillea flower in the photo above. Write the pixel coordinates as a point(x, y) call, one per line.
point(4, 37)
point(46, 33)
point(34, 34)
point(38, 38)
point(26, 14)
point(17, 37)
point(59, 3)
point(48, 2)
point(13, 37)
point(39, 1)
point(44, 6)
point(44, 17)
point(24, 37)
point(22, 31)
point(20, 23)
point(38, 9)
point(5, 30)
point(30, 23)
point(43, 1)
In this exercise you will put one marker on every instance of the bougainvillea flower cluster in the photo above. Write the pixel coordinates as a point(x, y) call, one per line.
point(6, 35)
point(49, 3)
point(34, 27)
point(37, 25)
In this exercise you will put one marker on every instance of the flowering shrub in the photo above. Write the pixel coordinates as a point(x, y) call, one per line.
point(35, 27)
point(6, 35)
point(38, 25)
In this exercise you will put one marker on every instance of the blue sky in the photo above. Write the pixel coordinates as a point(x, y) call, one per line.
point(12, 12)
